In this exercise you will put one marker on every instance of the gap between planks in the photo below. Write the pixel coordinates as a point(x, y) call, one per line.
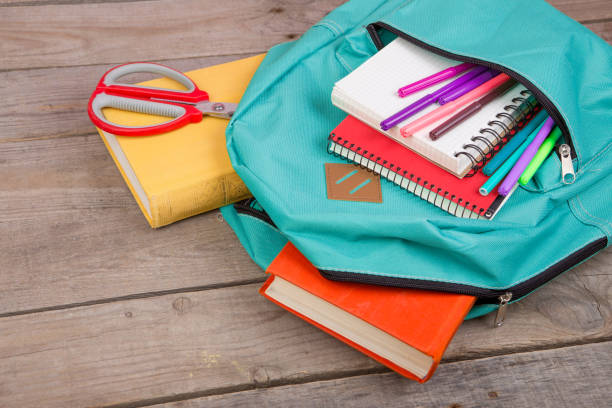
point(224, 340)
point(106, 65)
point(568, 376)
point(350, 373)
point(177, 398)
point(34, 3)
point(99, 33)
point(60, 105)
point(136, 296)
point(226, 392)
point(226, 57)
point(62, 46)
point(64, 199)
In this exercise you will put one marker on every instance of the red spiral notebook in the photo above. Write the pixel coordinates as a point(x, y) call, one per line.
point(359, 143)
point(407, 330)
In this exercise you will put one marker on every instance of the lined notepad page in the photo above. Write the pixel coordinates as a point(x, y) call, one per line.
point(370, 94)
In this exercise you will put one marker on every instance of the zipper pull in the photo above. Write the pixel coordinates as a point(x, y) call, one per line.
point(501, 311)
point(567, 167)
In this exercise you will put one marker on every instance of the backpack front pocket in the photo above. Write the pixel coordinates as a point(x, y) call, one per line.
point(567, 165)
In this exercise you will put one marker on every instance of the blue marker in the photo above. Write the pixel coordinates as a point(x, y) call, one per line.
point(514, 143)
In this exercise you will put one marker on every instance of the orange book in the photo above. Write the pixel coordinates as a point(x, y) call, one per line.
point(407, 330)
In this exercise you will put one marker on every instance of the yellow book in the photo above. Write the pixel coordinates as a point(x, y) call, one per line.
point(186, 171)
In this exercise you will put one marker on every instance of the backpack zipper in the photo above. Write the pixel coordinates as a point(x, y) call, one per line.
point(543, 99)
point(484, 295)
point(500, 316)
point(568, 176)
point(251, 207)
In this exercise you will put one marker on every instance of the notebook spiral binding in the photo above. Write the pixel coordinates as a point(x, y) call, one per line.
point(403, 178)
point(420, 187)
point(478, 156)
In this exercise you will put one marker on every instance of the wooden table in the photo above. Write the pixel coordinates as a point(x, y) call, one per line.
point(97, 309)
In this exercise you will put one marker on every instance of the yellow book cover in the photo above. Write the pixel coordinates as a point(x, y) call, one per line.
point(186, 171)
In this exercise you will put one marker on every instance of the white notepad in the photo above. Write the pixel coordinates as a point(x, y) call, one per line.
point(369, 93)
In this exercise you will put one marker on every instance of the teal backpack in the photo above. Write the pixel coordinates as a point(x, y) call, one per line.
point(278, 137)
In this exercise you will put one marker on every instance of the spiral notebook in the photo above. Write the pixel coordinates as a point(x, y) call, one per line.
point(357, 142)
point(370, 94)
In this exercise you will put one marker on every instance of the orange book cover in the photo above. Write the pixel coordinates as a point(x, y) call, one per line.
point(425, 320)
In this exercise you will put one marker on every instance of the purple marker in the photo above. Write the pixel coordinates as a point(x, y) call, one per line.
point(523, 161)
point(434, 79)
point(467, 86)
point(429, 99)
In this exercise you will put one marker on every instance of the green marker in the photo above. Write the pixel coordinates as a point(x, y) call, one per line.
point(540, 156)
point(508, 164)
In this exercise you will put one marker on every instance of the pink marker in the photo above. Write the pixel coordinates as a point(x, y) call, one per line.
point(434, 79)
point(446, 110)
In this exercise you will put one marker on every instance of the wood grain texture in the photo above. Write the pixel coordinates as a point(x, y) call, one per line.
point(231, 339)
point(578, 9)
point(568, 308)
point(52, 102)
point(602, 29)
point(72, 232)
point(569, 377)
point(22, 3)
point(584, 10)
point(97, 33)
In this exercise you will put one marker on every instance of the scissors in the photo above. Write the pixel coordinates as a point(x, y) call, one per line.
point(183, 107)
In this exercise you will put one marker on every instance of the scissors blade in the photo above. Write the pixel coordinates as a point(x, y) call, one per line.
point(217, 109)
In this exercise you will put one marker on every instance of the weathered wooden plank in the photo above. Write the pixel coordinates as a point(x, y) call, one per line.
point(72, 232)
point(578, 9)
point(50, 102)
point(602, 29)
point(23, 3)
point(231, 339)
point(96, 33)
point(574, 307)
point(584, 10)
point(575, 376)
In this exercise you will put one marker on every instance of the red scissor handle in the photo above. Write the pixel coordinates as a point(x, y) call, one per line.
point(136, 98)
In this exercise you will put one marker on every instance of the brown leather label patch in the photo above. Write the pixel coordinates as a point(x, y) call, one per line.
point(346, 181)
